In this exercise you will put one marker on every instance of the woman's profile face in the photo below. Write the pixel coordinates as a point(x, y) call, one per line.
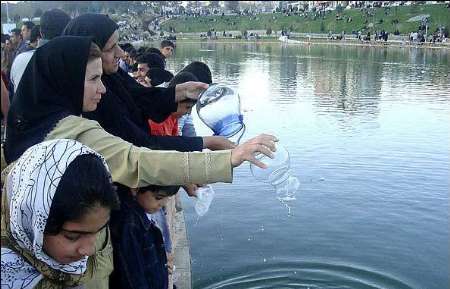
point(77, 238)
point(93, 86)
point(111, 54)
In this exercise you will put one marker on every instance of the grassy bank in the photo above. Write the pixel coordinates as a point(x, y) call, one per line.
point(347, 42)
point(382, 19)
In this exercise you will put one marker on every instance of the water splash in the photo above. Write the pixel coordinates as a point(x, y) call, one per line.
point(286, 193)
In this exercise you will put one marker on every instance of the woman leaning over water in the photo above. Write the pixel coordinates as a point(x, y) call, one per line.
point(127, 105)
point(62, 80)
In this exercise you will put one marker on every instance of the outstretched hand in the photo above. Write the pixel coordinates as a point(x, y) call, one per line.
point(263, 143)
point(169, 264)
point(189, 90)
point(191, 190)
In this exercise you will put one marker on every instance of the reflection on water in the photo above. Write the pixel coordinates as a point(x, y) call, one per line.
point(368, 134)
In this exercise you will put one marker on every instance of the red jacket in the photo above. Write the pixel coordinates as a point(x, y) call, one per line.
point(169, 127)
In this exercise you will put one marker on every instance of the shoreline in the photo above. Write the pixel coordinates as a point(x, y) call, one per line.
point(182, 276)
point(182, 254)
point(321, 42)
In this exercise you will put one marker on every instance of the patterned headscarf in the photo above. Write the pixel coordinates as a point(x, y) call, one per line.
point(30, 188)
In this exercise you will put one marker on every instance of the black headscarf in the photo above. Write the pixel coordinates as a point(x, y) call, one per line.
point(156, 51)
point(153, 60)
point(126, 106)
point(156, 73)
point(51, 88)
point(98, 26)
point(159, 76)
point(182, 77)
point(200, 70)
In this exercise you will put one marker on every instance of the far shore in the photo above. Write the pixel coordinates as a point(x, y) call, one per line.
point(304, 41)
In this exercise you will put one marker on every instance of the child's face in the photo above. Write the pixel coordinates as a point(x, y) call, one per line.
point(77, 238)
point(167, 51)
point(151, 201)
point(184, 107)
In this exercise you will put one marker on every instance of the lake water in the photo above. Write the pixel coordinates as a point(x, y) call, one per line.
point(368, 134)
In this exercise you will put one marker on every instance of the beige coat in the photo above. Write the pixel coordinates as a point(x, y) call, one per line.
point(138, 166)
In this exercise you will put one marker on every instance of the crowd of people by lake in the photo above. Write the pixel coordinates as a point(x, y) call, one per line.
point(98, 142)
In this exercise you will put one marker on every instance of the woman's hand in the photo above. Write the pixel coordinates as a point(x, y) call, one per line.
point(263, 143)
point(191, 190)
point(170, 263)
point(189, 90)
point(215, 143)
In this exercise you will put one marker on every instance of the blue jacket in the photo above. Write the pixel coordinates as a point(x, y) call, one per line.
point(139, 254)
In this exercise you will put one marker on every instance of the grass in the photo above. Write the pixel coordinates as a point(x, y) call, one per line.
point(440, 15)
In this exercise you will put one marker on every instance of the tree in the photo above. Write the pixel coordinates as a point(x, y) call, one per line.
point(193, 4)
point(305, 6)
point(214, 4)
point(95, 7)
point(322, 27)
point(232, 6)
point(38, 12)
point(70, 7)
point(83, 9)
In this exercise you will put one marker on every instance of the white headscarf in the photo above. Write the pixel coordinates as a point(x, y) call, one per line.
point(31, 186)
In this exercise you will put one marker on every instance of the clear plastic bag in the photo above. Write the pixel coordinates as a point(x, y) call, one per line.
point(277, 173)
point(205, 196)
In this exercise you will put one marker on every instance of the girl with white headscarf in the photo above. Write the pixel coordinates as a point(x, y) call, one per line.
point(57, 197)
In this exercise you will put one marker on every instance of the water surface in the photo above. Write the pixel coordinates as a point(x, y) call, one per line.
point(368, 134)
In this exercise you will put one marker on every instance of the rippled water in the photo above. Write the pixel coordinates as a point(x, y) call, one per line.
point(368, 134)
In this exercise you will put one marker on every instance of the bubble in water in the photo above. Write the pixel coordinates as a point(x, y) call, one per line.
point(289, 210)
point(287, 198)
point(265, 260)
point(293, 184)
point(286, 191)
point(282, 190)
point(261, 228)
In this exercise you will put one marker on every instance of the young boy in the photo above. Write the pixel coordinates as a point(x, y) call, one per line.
point(166, 48)
point(169, 127)
point(140, 259)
